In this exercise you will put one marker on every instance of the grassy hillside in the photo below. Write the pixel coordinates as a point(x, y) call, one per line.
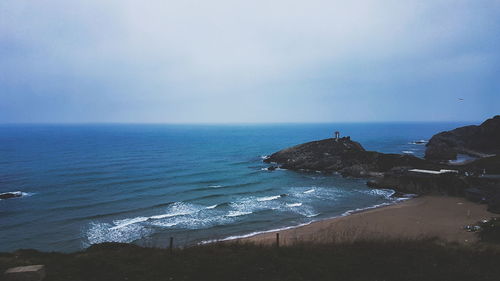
point(381, 260)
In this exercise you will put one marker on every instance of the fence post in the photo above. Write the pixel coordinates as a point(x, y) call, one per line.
point(171, 244)
point(277, 240)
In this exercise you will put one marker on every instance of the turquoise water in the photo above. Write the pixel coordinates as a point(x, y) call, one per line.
point(86, 184)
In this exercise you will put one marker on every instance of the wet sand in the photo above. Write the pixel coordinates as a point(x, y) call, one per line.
point(422, 217)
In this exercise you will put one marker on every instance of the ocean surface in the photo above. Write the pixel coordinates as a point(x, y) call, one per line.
point(85, 184)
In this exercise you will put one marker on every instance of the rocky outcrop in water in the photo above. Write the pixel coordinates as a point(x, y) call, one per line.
point(8, 195)
point(341, 155)
point(472, 140)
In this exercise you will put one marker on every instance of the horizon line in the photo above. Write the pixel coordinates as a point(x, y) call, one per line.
point(239, 123)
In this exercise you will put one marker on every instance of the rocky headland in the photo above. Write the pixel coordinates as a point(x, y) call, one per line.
point(477, 180)
point(478, 141)
point(344, 156)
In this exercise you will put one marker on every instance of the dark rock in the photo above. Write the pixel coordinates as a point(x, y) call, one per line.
point(407, 182)
point(272, 168)
point(472, 140)
point(344, 155)
point(394, 171)
point(9, 195)
point(489, 165)
point(475, 195)
point(494, 203)
point(438, 150)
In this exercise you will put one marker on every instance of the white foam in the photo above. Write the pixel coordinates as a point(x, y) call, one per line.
point(406, 197)
point(103, 232)
point(237, 213)
point(252, 234)
point(158, 217)
point(313, 215)
point(386, 193)
point(177, 209)
point(408, 152)
point(215, 186)
point(291, 205)
point(309, 191)
point(268, 198)
point(126, 222)
point(420, 142)
point(350, 212)
point(264, 157)
point(211, 207)
point(165, 224)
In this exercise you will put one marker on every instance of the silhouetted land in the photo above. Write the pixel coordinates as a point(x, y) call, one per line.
point(370, 260)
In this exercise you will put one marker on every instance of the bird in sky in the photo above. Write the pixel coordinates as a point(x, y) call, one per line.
point(460, 99)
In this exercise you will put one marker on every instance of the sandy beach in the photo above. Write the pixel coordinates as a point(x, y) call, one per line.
point(426, 216)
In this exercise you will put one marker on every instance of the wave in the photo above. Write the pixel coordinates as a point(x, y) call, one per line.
point(225, 204)
point(349, 212)
point(165, 224)
point(126, 222)
point(180, 209)
point(420, 142)
point(220, 187)
point(184, 215)
point(253, 234)
point(237, 213)
point(268, 198)
point(103, 232)
point(273, 169)
point(408, 152)
point(406, 197)
point(386, 193)
point(208, 187)
point(313, 215)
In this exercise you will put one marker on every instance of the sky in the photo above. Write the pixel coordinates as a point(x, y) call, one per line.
point(230, 61)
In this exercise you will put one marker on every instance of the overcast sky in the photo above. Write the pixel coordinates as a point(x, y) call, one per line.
point(248, 61)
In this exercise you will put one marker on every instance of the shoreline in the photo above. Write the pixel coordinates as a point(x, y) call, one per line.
point(344, 214)
point(441, 217)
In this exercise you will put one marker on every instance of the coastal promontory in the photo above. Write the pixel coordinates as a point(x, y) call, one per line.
point(477, 179)
point(479, 141)
point(341, 155)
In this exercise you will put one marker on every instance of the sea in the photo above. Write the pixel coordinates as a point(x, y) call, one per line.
point(144, 183)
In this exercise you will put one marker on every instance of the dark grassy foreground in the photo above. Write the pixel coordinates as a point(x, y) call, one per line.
point(490, 231)
point(386, 260)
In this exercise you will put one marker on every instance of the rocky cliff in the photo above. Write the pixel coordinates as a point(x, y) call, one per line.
point(343, 155)
point(472, 140)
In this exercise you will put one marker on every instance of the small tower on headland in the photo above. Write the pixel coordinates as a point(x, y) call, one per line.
point(337, 135)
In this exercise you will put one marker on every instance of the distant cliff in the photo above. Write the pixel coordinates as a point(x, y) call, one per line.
point(472, 140)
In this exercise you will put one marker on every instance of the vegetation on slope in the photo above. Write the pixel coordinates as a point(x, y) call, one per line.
point(378, 260)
